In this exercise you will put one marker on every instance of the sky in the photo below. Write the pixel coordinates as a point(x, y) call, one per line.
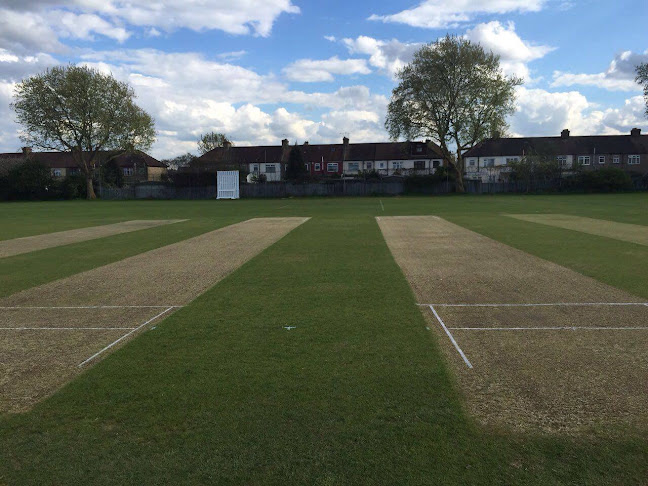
point(264, 70)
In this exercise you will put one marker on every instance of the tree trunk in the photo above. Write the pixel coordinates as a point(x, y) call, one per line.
point(459, 182)
point(90, 189)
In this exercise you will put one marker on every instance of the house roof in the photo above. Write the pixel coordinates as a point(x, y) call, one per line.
point(323, 152)
point(569, 145)
point(63, 160)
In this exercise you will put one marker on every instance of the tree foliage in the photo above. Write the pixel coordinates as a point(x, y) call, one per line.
point(30, 180)
point(536, 167)
point(212, 140)
point(84, 112)
point(455, 93)
point(111, 174)
point(296, 169)
point(642, 79)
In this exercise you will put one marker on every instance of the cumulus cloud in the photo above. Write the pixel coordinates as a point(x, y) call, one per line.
point(389, 56)
point(515, 53)
point(619, 76)
point(543, 113)
point(188, 94)
point(435, 14)
point(309, 70)
point(38, 25)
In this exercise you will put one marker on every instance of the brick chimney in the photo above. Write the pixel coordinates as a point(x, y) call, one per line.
point(306, 143)
point(285, 143)
point(635, 132)
point(345, 148)
point(26, 150)
point(227, 145)
point(564, 133)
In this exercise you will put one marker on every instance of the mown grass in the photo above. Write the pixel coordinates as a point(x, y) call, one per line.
point(357, 393)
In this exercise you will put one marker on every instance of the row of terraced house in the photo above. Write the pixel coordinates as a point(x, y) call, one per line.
point(488, 161)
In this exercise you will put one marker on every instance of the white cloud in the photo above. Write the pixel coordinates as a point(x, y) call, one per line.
point(244, 17)
point(309, 70)
point(435, 14)
point(15, 67)
point(542, 113)
point(83, 26)
point(388, 56)
point(26, 32)
point(189, 95)
point(515, 53)
point(619, 76)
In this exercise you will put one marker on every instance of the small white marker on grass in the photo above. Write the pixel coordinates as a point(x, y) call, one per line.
point(381, 205)
point(290, 328)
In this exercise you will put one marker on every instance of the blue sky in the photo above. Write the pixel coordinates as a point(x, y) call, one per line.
point(263, 70)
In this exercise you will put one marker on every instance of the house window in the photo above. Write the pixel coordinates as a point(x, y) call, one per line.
point(270, 168)
point(382, 165)
point(306, 166)
point(318, 166)
point(397, 165)
point(56, 172)
point(634, 159)
point(419, 164)
point(332, 167)
point(369, 165)
point(616, 159)
point(419, 149)
point(128, 171)
point(255, 167)
point(601, 159)
point(510, 160)
point(354, 166)
point(472, 162)
point(436, 163)
point(489, 162)
point(562, 160)
point(584, 159)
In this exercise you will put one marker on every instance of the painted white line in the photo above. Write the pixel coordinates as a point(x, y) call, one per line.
point(282, 207)
point(381, 205)
point(65, 328)
point(538, 305)
point(561, 328)
point(452, 339)
point(16, 307)
point(125, 336)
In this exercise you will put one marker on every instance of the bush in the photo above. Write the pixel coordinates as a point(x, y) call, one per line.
point(608, 179)
point(73, 187)
point(30, 180)
point(417, 182)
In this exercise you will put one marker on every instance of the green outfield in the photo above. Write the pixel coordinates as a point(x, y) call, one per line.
point(307, 360)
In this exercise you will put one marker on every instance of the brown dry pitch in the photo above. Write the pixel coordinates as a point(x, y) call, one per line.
point(633, 233)
point(35, 362)
point(589, 373)
point(28, 244)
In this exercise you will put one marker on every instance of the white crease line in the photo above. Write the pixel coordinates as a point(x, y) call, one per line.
point(562, 328)
point(381, 205)
point(95, 307)
point(125, 336)
point(451, 338)
point(537, 305)
point(65, 328)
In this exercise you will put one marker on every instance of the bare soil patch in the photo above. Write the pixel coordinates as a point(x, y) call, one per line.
point(35, 362)
point(28, 244)
point(633, 233)
point(593, 377)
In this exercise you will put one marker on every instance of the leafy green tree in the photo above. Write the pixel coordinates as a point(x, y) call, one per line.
point(111, 174)
point(31, 180)
point(295, 169)
point(84, 112)
point(642, 79)
point(455, 93)
point(212, 140)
